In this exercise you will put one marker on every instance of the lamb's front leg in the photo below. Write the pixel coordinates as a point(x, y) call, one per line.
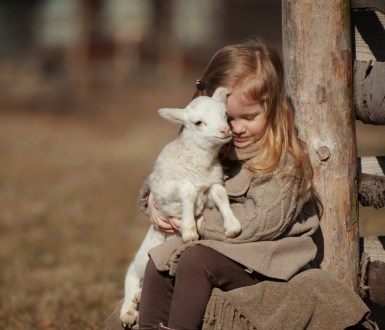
point(219, 195)
point(188, 195)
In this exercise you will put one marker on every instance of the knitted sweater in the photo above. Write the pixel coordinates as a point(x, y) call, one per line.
point(277, 227)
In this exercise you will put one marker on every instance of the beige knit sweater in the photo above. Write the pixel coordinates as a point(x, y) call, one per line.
point(277, 227)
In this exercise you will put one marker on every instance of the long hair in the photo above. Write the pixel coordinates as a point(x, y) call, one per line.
point(258, 70)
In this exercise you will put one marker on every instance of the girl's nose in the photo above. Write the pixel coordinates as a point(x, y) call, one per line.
point(226, 130)
point(237, 128)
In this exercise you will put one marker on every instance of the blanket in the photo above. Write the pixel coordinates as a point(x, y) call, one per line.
point(310, 300)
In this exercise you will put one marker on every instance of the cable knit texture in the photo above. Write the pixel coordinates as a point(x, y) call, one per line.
point(266, 209)
point(277, 226)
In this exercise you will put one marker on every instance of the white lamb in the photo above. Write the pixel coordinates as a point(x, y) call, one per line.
point(186, 174)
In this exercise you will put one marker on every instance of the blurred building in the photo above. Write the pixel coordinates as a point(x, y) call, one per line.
point(88, 43)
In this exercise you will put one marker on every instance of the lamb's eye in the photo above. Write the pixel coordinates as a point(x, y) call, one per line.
point(198, 123)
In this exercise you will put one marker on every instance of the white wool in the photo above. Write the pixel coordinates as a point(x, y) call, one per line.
point(186, 174)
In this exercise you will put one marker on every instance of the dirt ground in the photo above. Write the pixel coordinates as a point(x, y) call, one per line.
point(69, 224)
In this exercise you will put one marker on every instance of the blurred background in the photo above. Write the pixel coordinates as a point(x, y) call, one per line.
point(80, 83)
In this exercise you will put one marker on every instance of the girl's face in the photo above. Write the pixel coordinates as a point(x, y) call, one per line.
point(247, 119)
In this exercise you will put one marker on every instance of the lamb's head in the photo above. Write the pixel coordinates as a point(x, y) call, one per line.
point(204, 119)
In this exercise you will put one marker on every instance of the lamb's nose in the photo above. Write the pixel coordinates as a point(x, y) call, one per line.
point(226, 130)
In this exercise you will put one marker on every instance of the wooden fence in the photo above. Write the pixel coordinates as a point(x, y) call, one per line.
point(368, 32)
point(334, 54)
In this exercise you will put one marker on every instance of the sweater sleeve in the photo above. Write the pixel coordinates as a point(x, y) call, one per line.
point(144, 192)
point(266, 211)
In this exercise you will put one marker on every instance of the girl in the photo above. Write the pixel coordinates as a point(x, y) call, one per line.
point(269, 183)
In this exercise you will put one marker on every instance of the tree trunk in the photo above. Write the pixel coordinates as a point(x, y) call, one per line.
point(317, 57)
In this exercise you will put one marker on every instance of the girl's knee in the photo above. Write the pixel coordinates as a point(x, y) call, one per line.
point(194, 259)
point(151, 270)
point(193, 254)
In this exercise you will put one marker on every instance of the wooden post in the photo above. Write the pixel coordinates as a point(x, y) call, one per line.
point(318, 65)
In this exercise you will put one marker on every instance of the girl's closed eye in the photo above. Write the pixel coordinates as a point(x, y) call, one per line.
point(251, 117)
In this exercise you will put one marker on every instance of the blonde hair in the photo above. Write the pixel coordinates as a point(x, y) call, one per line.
point(258, 69)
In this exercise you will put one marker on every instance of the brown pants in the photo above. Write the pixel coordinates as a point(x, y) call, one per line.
point(180, 302)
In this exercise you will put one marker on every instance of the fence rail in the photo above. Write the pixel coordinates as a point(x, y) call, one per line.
point(368, 41)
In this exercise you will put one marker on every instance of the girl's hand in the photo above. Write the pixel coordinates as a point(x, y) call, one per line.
point(169, 225)
point(199, 220)
point(176, 222)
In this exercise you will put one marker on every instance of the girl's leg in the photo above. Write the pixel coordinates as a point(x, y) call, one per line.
point(200, 269)
point(156, 296)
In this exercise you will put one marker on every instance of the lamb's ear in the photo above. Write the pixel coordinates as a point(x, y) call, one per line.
point(173, 114)
point(220, 94)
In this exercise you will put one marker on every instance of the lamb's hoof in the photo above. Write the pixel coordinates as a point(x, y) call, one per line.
point(128, 318)
point(190, 236)
point(233, 232)
point(126, 326)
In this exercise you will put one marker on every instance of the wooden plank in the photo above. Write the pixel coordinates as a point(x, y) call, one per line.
point(368, 35)
point(319, 84)
point(371, 190)
point(376, 292)
point(368, 5)
point(371, 181)
point(371, 165)
point(372, 278)
point(372, 288)
point(375, 248)
point(369, 92)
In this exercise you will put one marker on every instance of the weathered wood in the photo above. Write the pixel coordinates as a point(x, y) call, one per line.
point(372, 278)
point(369, 34)
point(363, 288)
point(368, 5)
point(372, 287)
point(371, 190)
point(375, 248)
point(319, 85)
point(371, 181)
point(369, 92)
point(376, 292)
point(376, 278)
point(371, 165)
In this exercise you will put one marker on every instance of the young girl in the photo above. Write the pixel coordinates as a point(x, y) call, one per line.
point(268, 178)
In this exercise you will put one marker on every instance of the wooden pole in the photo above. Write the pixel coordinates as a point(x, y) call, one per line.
point(318, 67)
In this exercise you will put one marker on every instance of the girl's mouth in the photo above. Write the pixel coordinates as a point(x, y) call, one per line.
point(239, 139)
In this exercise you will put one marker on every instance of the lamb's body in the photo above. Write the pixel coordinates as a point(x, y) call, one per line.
point(186, 174)
point(183, 166)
